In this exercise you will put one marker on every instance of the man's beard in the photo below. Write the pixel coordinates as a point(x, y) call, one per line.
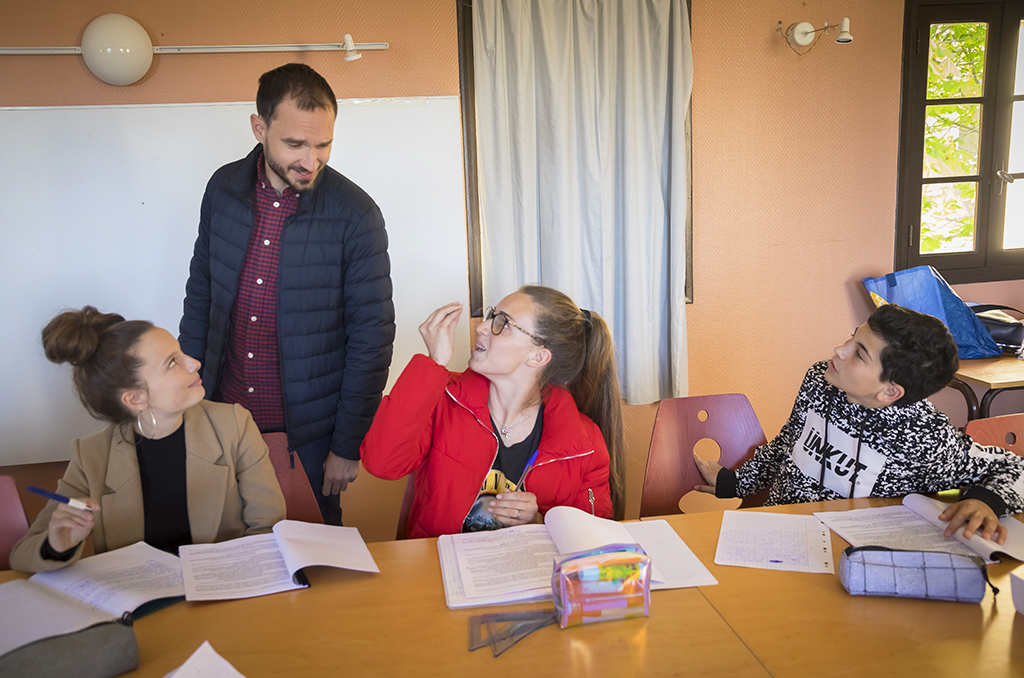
point(282, 172)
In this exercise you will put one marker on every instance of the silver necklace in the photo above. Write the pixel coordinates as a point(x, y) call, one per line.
point(506, 431)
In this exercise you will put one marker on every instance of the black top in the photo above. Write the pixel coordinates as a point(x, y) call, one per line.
point(512, 460)
point(164, 494)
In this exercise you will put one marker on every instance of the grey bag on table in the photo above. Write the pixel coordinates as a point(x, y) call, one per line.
point(98, 651)
point(881, 571)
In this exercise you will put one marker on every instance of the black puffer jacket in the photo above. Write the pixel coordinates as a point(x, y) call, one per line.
point(335, 317)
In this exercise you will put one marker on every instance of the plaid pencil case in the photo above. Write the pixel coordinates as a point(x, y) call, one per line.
point(881, 571)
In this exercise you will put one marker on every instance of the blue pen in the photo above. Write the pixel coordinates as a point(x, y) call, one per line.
point(74, 503)
point(526, 469)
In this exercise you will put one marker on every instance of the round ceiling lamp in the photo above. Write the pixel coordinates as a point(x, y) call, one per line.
point(117, 49)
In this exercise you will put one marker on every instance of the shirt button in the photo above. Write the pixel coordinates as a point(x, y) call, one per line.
point(250, 355)
point(266, 242)
point(253, 318)
point(277, 204)
point(251, 389)
point(259, 281)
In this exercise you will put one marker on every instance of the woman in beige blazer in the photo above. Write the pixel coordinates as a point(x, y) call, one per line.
point(200, 468)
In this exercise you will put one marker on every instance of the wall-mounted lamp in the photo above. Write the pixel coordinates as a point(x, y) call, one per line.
point(118, 50)
point(803, 34)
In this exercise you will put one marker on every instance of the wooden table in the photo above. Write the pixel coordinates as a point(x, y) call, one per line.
point(807, 625)
point(1005, 373)
point(753, 623)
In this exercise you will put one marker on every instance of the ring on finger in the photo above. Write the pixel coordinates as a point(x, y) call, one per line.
point(519, 514)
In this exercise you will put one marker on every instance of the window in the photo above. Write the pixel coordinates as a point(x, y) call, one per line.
point(962, 140)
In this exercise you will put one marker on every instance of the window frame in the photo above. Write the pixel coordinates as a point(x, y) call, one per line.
point(989, 261)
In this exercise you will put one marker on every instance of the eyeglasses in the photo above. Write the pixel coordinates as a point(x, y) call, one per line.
point(499, 319)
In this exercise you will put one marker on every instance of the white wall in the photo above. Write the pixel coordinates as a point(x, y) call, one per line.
point(101, 205)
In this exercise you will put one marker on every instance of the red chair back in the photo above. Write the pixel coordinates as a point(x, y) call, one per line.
point(13, 524)
point(727, 419)
point(1006, 432)
point(299, 499)
point(403, 515)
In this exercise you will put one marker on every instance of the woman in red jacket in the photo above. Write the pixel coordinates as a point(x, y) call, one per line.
point(535, 421)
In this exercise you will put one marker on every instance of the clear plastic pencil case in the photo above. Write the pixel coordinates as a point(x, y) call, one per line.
point(602, 584)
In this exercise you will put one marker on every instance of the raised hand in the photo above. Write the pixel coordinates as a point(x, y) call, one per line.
point(438, 332)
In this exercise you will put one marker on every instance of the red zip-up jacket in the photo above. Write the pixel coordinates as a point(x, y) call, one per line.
point(436, 423)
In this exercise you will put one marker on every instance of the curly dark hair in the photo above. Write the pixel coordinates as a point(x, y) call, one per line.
point(920, 353)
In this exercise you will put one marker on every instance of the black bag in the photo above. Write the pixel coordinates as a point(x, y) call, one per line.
point(1007, 331)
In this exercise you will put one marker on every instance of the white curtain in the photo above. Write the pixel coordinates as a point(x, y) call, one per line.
point(581, 109)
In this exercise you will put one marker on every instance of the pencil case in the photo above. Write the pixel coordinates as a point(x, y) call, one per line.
point(881, 571)
point(98, 651)
point(603, 584)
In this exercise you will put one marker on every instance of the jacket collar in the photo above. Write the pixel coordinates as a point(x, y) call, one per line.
point(243, 181)
point(206, 482)
point(564, 434)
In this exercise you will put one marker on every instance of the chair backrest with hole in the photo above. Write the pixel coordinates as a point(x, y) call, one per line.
point(1006, 431)
point(681, 426)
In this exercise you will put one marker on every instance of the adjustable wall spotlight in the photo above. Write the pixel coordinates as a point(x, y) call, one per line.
point(118, 50)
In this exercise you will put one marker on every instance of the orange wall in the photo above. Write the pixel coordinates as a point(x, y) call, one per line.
point(422, 59)
point(794, 194)
point(794, 158)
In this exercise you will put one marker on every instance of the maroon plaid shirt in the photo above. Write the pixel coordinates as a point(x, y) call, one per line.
point(252, 371)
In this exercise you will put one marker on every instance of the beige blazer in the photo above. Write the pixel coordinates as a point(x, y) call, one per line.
point(230, 483)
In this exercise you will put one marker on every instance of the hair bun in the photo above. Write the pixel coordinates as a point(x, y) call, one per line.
point(73, 336)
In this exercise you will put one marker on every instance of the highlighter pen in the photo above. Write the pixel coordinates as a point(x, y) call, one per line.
point(526, 469)
point(73, 503)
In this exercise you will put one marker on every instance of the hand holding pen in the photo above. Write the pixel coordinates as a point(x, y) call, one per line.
point(516, 507)
point(71, 522)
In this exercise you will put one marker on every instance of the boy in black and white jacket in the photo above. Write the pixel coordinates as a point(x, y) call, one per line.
point(862, 427)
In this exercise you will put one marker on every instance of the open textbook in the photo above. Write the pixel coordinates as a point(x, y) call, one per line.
point(915, 526)
point(97, 589)
point(514, 564)
point(269, 563)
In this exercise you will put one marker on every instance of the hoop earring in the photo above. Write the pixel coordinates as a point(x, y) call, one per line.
point(152, 418)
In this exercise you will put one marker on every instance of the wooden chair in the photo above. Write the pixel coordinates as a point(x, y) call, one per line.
point(299, 499)
point(1006, 431)
point(13, 524)
point(403, 514)
point(685, 425)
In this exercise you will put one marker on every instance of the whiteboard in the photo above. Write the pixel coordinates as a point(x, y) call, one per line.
point(101, 207)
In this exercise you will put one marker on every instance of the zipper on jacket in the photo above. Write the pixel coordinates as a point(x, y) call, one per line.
point(496, 447)
point(497, 444)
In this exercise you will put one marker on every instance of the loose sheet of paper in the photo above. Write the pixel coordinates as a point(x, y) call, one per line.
point(121, 580)
point(774, 541)
point(673, 564)
point(240, 568)
point(205, 663)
